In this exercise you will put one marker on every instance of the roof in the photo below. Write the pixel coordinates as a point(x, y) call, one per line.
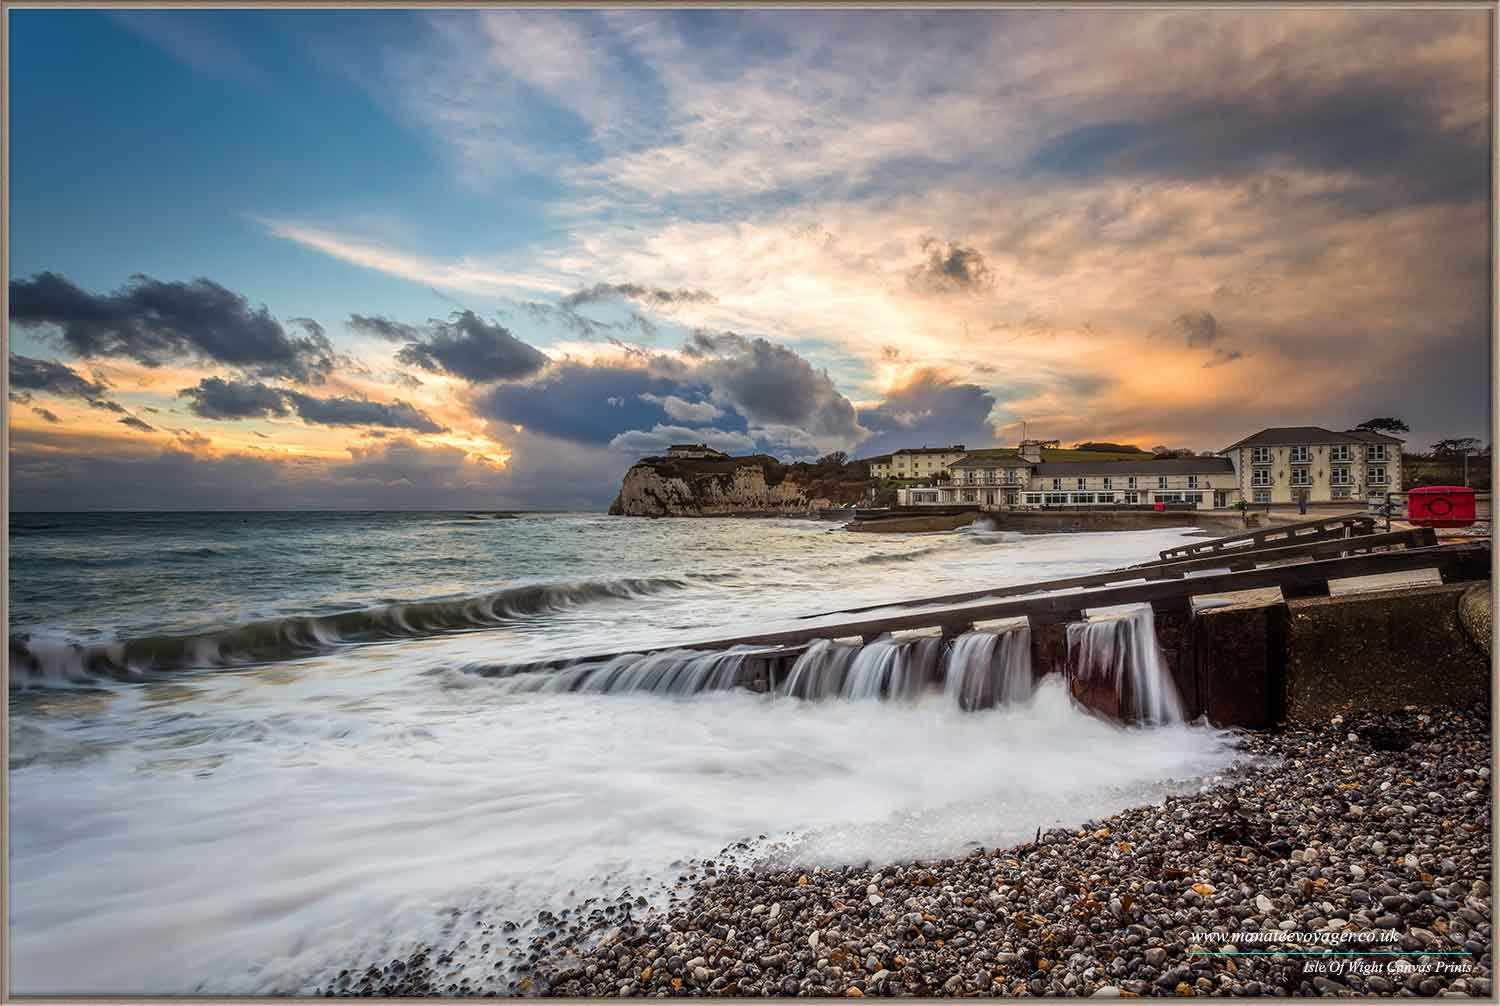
point(879, 459)
point(931, 450)
point(1147, 466)
point(990, 457)
point(1297, 436)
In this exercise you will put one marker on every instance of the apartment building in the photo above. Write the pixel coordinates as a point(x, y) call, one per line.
point(1279, 464)
point(915, 462)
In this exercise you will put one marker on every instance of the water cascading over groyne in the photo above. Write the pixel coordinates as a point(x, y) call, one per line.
point(988, 669)
point(673, 672)
point(1116, 666)
point(979, 670)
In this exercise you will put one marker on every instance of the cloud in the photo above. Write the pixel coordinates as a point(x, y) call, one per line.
point(683, 410)
point(392, 473)
point(1198, 328)
point(770, 383)
point(473, 349)
point(48, 377)
point(384, 328)
point(929, 408)
point(654, 296)
point(397, 415)
point(137, 424)
point(951, 268)
point(214, 398)
point(152, 322)
point(46, 414)
point(660, 437)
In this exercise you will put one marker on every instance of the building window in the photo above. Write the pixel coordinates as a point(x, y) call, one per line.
point(1032, 499)
point(1057, 499)
point(1083, 483)
point(1161, 481)
point(1377, 475)
point(1300, 455)
point(1301, 476)
point(1260, 477)
point(1341, 493)
point(1340, 475)
point(1192, 482)
point(970, 496)
point(1109, 483)
point(1262, 495)
point(989, 476)
point(1057, 483)
point(1339, 452)
point(1260, 455)
point(1130, 482)
point(1132, 497)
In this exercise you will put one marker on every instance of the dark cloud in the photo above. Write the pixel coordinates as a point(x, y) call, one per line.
point(1198, 328)
point(1222, 356)
point(591, 404)
point(929, 409)
point(951, 268)
point(52, 378)
point(1384, 132)
point(653, 296)
point(469, 347)
point(397, 415)
point(742, 385)
point(214, 398)
point(768, 383)
point(46, 414)
point(152, 322)
point(384, 328)
point(138, 424)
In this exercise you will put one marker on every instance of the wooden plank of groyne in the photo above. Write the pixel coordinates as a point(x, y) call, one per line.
point(1322, 549)
point(1468, 561)
point(1322, 527)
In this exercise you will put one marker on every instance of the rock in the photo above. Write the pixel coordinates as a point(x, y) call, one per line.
point(1264, 904)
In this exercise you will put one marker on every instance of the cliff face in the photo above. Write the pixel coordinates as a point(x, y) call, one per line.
point(666, 487)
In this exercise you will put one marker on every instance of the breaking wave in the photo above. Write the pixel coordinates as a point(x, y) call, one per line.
point(40, 662)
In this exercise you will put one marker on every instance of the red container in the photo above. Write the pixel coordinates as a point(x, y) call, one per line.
point(1440, 506)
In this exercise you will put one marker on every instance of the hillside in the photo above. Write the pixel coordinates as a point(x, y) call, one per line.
point(723, 487)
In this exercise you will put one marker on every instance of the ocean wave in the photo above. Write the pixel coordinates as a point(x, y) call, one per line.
point(39, 662)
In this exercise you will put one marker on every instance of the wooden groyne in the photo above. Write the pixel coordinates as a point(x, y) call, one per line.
point(1254, 628)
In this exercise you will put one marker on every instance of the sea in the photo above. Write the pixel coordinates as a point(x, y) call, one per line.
point(248, 750)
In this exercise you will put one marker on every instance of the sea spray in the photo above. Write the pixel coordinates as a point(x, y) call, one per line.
point(1117, 650)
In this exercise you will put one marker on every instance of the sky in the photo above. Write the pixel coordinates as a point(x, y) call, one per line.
point(489, 258)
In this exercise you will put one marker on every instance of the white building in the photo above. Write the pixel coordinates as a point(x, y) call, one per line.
point(1277, 464)
point(1005, 479)
point(915, 462)
point(694, 451)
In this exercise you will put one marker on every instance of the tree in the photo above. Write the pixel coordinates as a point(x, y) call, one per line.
point(1455, 447)
point(1384, 424)
point(836, 459)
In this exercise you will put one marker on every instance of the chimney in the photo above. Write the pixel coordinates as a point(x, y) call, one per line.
point(1031, 451)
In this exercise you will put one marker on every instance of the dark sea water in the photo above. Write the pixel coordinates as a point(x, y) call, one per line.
point(249, 749)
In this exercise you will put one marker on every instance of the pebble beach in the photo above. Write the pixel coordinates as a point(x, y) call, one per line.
point(1347, 857)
